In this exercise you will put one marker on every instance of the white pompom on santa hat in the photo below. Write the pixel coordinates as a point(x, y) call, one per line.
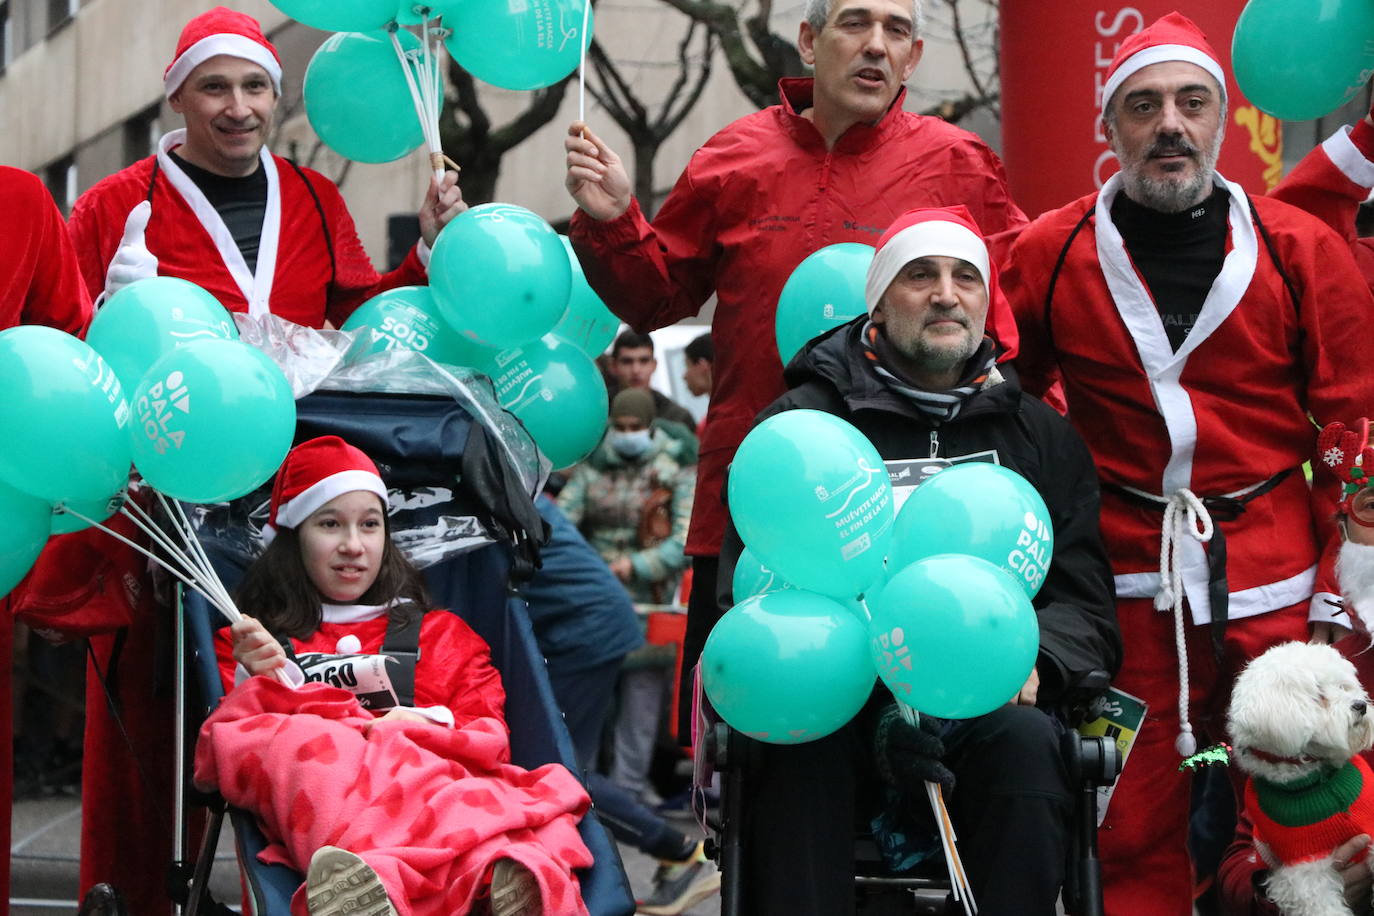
point(313, 473)
point(221, 31)
point(1173, 37)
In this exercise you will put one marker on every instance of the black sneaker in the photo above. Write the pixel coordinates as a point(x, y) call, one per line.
point(679, 886)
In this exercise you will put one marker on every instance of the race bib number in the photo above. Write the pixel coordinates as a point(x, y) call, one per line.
point(365, 676)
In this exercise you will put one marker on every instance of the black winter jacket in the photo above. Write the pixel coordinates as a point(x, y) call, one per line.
point(1076, 605)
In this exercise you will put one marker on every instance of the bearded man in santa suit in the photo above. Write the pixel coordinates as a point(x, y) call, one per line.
point(214, 207)
point(39, 284)
point(262, 235)
point(1193, 329)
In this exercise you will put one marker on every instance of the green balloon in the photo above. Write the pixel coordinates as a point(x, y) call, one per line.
point(64, 417)
point(97, 510)
point(525, 45)
point(953, 636)
point(212, 421)
point(500, 275)
point(357, 99)
point(811, 498)
point(339, 15)
point(22, 536)
point(406, 318)
point(586, 324)
point(557, 392)
point(148, 317)
point(753, 578)
point(787, 667)
point(981, 510)
point(1298, 60)
point(825, 290)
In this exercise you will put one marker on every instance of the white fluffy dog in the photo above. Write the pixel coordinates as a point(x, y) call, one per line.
point(1298, 722)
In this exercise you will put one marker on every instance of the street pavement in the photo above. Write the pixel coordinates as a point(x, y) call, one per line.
point(44, 854)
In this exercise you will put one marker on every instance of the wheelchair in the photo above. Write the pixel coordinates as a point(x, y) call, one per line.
point(426, 447)
point(1092, 762)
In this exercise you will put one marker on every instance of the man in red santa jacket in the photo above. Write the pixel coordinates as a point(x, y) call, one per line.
point(261, 235)
point(838, 160)
point(39, 284)
point(1193, 329)
point(214, 207)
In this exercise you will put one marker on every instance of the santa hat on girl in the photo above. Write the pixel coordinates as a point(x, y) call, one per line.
point(221, 31)
point(1347, 454)
point(941, 231)
point(313, 473)
point(1168, 38)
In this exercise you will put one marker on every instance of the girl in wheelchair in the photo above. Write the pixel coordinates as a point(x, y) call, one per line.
point(366, 732)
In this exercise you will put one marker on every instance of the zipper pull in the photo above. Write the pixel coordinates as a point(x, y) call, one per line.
point(934, 443)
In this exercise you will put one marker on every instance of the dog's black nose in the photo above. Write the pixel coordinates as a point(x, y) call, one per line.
point(1359, 706)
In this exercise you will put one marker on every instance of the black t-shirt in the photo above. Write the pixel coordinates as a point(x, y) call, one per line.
point(240, 202)
point(1178, 254)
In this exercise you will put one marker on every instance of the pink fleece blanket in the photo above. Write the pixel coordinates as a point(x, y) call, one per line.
point(430, 808)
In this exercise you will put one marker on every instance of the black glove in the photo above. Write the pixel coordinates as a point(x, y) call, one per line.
point(907, 755)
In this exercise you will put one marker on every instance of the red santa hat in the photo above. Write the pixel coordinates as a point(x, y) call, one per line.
point(1168, 38)
point(950, 232)
point(1347, 454)
point(221, 31)
point(313, 473)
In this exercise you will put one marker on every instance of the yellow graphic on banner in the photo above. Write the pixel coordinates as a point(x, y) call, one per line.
point(1266, 141)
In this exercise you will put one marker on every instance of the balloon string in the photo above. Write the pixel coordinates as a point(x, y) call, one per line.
point(186, 577)
point(582, 64)
point(419, 97)
point(207, 580)
point(188, 537)
point(204, 580)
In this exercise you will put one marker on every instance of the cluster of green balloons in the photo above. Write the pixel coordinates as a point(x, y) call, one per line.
point(507, 297)
point(357, 96)
point(1298, 60)
point(940, 591)
point(209, 418)
point(824, 291)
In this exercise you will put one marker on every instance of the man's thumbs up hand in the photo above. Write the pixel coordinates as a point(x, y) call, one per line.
point(132, 261)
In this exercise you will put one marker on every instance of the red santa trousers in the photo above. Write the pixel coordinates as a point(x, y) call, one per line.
point(1143, 841)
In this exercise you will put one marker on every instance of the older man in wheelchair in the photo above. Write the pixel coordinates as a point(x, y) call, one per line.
point(923, 375)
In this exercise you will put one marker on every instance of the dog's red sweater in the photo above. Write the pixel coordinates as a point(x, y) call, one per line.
point(1299, 825)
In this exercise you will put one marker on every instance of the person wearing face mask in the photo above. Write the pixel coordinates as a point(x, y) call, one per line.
point(632, 499)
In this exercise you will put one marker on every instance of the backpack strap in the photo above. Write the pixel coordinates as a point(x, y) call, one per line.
point(1054, 276)
point(324, 224)
point(1273, 253)
point(402, 643)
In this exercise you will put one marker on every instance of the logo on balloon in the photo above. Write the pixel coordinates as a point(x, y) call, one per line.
point(892, 656)
point(155, 412)
point(102, 377)
point(398, 333)
point(1030, 558)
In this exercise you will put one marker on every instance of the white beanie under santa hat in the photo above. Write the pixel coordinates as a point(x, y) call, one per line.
point(221, 31)
point(1173, 37)
point(948, 232)
point(313, 473)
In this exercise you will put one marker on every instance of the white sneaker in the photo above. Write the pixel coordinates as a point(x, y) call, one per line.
point(514, 890)
point(340, 883)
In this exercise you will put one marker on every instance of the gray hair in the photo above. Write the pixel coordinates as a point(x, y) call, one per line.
point(818, 11)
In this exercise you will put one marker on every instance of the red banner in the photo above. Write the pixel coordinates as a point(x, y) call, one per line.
point(1055, 55)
